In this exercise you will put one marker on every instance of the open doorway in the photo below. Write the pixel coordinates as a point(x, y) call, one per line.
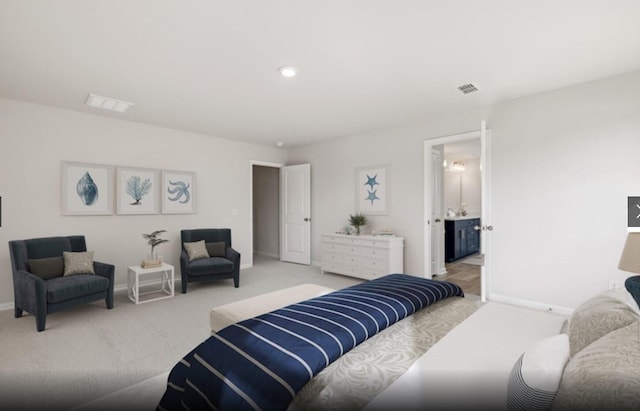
point(461, 198)
point(265, 190)
point(457, 209)
point(280, 198)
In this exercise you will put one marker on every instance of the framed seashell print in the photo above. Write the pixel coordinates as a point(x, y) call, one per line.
point(178, 192)
point(86, 189)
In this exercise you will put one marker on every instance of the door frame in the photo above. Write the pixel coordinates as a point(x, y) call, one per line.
point(251, 164)
point(485, 163)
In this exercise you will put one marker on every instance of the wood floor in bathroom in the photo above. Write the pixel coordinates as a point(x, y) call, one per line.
point(467, 276)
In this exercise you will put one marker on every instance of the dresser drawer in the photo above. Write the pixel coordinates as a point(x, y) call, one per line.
point(356, 241)
point(363, 256)
point(370, 252)
point(328, 257)
point(335, 248)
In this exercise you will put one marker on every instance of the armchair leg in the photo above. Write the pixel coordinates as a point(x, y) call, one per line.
point(109, 298)
point(184, 287)
point(18, 312)
point(236, 281)
point(41, 320)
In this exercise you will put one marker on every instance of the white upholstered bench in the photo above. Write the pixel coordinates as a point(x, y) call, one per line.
point(225, 315)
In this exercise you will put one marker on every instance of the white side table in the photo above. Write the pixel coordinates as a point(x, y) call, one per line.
point(168, 278)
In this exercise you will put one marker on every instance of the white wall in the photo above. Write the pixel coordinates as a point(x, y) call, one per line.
point(333, 165)
point(564, 163)
point(35, 139)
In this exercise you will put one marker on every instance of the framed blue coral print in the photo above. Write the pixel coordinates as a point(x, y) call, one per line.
point(137, 190)
point(372, 189)
point(86, 189)
point(178, 192)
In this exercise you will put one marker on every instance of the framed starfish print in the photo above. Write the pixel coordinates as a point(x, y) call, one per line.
point(372, 189)
point(178, 192)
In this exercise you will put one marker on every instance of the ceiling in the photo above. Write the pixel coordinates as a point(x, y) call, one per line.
point(210, 66)
point(464, 150)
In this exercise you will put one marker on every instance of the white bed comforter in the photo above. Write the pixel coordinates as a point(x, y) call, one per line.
point(358, 376)
point(469, 367)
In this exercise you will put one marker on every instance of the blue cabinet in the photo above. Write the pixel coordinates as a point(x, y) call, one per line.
point(461, 238)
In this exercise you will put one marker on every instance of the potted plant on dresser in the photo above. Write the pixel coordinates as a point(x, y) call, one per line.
point(357, 220)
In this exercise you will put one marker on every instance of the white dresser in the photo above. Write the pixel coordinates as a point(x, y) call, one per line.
point(362, 256)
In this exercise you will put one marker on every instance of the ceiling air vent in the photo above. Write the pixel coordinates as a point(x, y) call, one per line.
point(107, 103)
point(468, 88)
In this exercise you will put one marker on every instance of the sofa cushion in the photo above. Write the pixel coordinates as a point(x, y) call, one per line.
point(599, 315)
point(196, 250)
point(605, 375)
point(62, 289)
point(78, 263)
point(212, 265)
point(216, 249)
point(47, 268)
point(535, 377)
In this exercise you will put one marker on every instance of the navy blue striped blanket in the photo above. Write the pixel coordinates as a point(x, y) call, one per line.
point(261, 363)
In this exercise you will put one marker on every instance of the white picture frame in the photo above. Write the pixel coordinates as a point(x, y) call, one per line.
point(178, 192)
point(137, 190)
point(86, 189)
point(372, 189)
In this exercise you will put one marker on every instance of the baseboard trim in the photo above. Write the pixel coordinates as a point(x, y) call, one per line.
point(6, 306)
point(556, 309)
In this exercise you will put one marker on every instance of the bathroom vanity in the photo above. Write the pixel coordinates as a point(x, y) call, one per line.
point(460, 237)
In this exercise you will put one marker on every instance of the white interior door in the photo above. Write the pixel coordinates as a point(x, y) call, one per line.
point(295, 214)
point(486, 228)
point(437, 226)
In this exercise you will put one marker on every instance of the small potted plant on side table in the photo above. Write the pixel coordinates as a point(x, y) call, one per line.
point(153, 260)
point(357, 220)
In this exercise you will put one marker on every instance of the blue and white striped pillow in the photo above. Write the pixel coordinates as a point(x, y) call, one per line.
point(535, 377)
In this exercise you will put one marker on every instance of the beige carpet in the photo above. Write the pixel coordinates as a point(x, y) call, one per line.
point(88, 352)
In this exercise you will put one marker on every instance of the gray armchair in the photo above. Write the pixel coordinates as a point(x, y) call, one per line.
point(223, 266)
point(40, 294)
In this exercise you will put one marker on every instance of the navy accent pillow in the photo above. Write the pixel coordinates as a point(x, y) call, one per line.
point(216, 249)
point(47, 268)
point(632, 284)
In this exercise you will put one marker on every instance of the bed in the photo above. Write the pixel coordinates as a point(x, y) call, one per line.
point(528, 359)
point(459, 353)
point(382, 327)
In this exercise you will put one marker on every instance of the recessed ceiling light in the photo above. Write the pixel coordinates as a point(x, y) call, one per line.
point(106, 103)
point(287, 71)
point(279, 144)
